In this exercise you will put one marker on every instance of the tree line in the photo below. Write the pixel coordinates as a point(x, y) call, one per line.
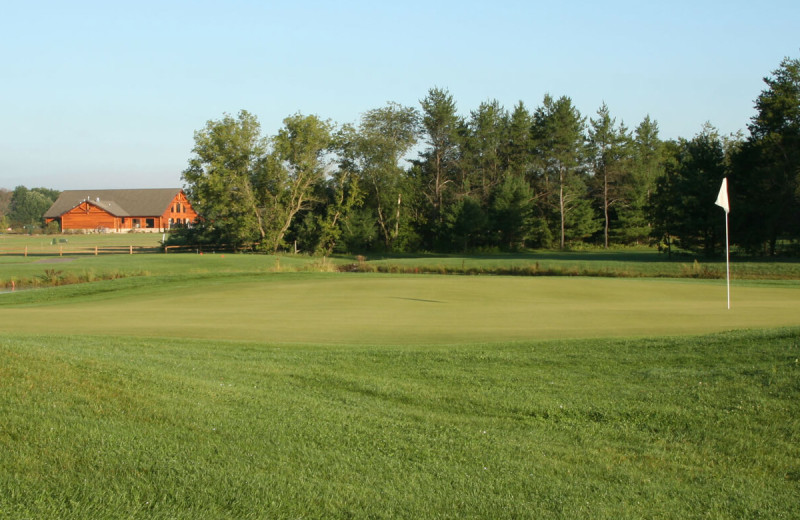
point(408, 179)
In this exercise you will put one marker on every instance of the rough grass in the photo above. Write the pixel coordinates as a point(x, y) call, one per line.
point(18, 271)
point(637, 263)
point(701, 427)
point(31, 272)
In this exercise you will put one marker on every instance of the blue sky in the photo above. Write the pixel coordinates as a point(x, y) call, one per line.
point(109, 94)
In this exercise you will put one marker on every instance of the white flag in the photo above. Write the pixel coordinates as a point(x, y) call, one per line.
point(722, 198)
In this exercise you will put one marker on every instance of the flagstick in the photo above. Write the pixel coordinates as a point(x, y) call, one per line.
point(728, 260)
point(722, 202)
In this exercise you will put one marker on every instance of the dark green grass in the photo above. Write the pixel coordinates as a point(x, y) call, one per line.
point(700, 427)
point(614, 263)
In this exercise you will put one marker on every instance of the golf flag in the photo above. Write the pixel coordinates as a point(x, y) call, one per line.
point(722, 201)
point(722, 198)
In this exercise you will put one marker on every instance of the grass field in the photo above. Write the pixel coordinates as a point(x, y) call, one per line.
point(245, 386)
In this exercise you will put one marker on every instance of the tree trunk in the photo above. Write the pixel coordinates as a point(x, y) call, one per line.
point(397, 217)
point(561, 206)
point(605, 205)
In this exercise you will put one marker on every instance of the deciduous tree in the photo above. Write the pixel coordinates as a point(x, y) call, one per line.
point(227, 162)
point(27, 207)
point(298, 163)
point(374, 152)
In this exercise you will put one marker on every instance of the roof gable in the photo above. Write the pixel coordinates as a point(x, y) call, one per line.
point(120, 203)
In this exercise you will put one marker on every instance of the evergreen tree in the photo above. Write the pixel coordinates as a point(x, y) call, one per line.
point(465, 223)
point(559, 146)
point(647, 166)
point(683, 204)
point(481, 158)
point(767, 168)
point(515, 152)
point(609, 155)
point(510, 212)
point(438, 162)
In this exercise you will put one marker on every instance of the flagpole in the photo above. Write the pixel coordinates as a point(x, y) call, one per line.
point(722, 202)
point(728, 260)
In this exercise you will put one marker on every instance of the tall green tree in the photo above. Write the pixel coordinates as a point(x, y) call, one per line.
point(374, 153)
point(482, 148)
point(609, 147)
point(516, 149)
point(647, 166)
point(247, 188)
point(297, 165)
point(227, 165)
point(683, 204)
point(344, 197)
point(559, 143)
point(438, 162)
point(767, 167)
point(27, 207)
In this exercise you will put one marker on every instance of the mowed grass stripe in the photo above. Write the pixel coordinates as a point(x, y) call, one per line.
point(696, 427)
point(320, 308)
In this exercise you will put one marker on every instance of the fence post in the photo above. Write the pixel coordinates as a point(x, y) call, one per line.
point(131, 249)
point(95, 250)
point(60, 250)
point(26, 251)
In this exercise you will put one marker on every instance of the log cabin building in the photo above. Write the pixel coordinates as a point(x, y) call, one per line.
point(114, 211)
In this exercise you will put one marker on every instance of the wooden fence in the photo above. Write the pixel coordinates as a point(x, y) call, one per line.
point(62, 250)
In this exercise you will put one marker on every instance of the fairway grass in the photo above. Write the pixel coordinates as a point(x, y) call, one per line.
point(113, 427)
point(364, 309)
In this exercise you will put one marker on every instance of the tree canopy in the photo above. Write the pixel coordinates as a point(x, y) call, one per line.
point(428, 178)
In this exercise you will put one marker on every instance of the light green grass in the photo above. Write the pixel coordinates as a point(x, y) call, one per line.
point(43, 244)
point(28, 271)
point(362, 309)
point(109, 427)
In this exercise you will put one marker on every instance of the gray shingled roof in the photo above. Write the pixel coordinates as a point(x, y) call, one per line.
point(120, 203)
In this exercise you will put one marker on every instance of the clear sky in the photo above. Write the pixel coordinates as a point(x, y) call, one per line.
point(109, 94)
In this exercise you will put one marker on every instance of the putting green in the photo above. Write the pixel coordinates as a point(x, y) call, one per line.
point(385, 309)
